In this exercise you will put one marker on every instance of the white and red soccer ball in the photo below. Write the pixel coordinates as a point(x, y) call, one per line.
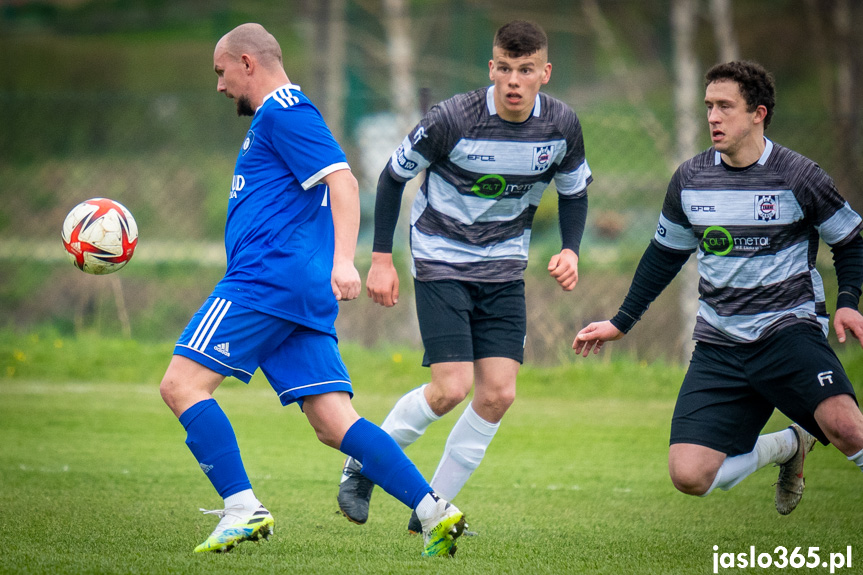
point(100, 236)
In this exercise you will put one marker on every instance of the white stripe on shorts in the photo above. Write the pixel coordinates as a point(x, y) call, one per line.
point(209, 324)
point(314, 385)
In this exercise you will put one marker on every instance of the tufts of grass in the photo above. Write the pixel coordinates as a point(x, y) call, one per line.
point(96, 477)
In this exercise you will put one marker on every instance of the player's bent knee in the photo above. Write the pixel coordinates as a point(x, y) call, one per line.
point(447, 399)
point(691, 484)
point(494, 408)
point(168, 390)
point(691, 479)
point(842, 423)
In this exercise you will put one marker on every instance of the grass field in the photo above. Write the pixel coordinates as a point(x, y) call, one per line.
point(95, 476)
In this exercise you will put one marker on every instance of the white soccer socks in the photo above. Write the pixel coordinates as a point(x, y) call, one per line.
point(245, 499)
point(465, 448)
point(857, 459)
point(409, 418)
point(776, 447)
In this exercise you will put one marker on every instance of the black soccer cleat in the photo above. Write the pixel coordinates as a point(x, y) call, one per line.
point(415, 527)
point(355, 492)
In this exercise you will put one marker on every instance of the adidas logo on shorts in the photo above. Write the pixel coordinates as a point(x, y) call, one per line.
point(223, 349)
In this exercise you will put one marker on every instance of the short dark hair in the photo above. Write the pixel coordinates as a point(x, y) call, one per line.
point(520, 38)
point(755, 82)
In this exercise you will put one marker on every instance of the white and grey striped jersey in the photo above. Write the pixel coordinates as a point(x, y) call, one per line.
point(472, 218)
point(756, 231)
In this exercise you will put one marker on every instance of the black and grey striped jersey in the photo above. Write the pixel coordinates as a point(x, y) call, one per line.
point(756, 232)
point(471, 219)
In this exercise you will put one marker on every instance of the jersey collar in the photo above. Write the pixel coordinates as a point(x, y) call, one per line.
point(492, 109)
point(768, 147)
point(288, 86)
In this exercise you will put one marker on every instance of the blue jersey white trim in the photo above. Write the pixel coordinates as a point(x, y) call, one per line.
point(279, 236)
point(316, 178)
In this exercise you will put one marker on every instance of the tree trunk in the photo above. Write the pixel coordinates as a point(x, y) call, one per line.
point(326, 31)
point(685, 104)
point(849, 66)
point(723, 29)
point(400, 55)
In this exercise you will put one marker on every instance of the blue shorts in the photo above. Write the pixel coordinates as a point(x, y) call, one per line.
point(234, 341)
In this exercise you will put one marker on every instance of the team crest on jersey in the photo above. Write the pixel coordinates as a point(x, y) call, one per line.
point(247, 143)
point(542, 156)
point(766, 207)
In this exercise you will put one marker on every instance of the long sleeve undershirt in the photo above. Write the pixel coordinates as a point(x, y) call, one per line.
point(572, 214)
point(655, 271)
point(388, 203)
point(848, 261)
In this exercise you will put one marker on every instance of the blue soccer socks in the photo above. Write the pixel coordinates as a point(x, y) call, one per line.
point(384, 462)
point(211, 439)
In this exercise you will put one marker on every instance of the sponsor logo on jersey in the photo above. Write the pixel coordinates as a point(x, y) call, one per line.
point(223, 348)
point(518, 189)
point(489, 186)
point(718, 241)
point(409, 165)
point(660, 229)
point(825, 377)
point(710, 209)
point(766, 207)
point(238, 182)
point(247, 143)
point(480, 158)
point(419, 134)
point(542, 158)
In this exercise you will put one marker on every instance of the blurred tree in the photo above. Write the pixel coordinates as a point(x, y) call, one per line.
point(686, 95)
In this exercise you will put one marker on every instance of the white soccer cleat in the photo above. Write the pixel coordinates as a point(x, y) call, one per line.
point(441, 530)
point(238, 524)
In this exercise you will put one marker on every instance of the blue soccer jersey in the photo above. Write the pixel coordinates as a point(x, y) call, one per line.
point(279, 234)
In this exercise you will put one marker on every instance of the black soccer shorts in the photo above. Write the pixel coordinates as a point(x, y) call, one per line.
point(465, 321)
point(730, 392)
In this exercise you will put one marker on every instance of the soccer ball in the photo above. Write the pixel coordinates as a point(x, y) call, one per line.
point(100, 236)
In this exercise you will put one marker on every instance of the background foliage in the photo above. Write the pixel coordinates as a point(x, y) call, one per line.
point(117, 98)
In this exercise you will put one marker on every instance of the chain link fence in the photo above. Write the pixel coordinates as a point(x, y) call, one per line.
point(168, 155)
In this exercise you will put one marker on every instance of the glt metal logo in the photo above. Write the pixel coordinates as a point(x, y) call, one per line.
point(489, 187)
point(717, 240)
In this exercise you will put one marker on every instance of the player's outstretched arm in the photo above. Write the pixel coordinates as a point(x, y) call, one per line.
point(345, 203)
point(848, 319)
point(382, 284)
point(564, 268)
point(593, 336)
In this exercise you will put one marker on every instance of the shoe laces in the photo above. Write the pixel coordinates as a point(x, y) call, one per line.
point(220, 512)
point(227, 516)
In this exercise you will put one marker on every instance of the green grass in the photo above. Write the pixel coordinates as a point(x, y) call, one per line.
point(95, 477)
